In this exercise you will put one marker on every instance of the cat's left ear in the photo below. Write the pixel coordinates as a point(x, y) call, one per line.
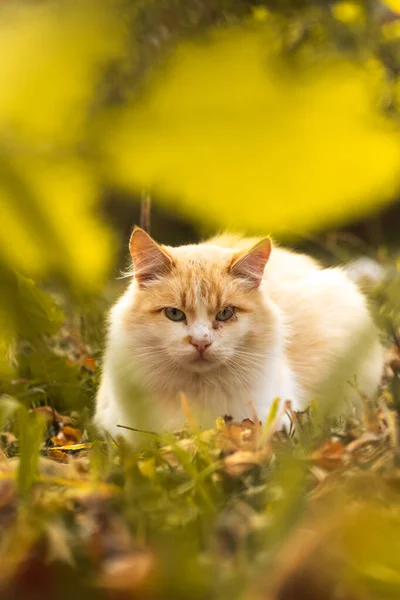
point(251, 264)
point(149, 259)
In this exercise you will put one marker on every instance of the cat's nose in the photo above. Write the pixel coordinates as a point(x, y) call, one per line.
point(201, 345)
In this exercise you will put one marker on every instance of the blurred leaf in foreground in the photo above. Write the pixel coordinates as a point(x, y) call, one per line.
point(53, 59)
point(53, 54)
point(246, 142)
point(47, 223)
point(26, 311)
point(38, 313)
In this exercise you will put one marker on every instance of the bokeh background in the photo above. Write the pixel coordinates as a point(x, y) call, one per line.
point(273, 117)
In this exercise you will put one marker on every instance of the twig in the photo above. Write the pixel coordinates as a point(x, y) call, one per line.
point(145, 211)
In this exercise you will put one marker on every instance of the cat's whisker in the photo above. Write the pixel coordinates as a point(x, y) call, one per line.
point(149, 354)
point(238, 374)
point(249, 354)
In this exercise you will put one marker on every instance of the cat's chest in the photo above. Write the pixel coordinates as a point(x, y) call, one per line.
point(207, 402)
point(212, 397)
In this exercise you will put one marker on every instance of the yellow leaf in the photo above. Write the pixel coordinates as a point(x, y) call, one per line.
point(148, 468)
point(53, 227)
point(54, 53)
point(260, 13)
point(391, 30)
point(348, 12)
point(231, 135)
point(393, 4)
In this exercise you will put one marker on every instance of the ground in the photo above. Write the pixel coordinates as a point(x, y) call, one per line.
point(239, 511)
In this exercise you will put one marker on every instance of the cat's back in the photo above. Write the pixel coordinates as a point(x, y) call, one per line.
point(328, 323)
point(288, 266)
point(330, 332)
point(302, 287)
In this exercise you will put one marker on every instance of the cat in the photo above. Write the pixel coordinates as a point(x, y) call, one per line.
point(233, 324)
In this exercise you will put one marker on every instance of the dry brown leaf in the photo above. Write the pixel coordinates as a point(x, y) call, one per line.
point(331, 456)
point(57, 455)
point(240, 436)
point(367, 449)
point(50, 413)
point(364, 440)
point(127, 572)
point(67, 436)
point(72, 434)
point(241, 461)
point(89, 362)
point(56, 441)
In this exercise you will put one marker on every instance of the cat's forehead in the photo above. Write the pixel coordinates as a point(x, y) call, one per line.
point(202, 255)
point(199, 279)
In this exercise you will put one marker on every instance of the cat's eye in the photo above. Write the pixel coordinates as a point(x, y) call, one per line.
point(225, 314)
point(174, 314)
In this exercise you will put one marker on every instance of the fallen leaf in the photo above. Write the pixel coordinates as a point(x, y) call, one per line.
point(89, 362)
point(240, 436)
point(51, 414)
point(73, 448)
point(57, 455)
point(56, 441)
point(67, 436)
point(331, 456)
point(241, 461)
point(127, 572)
point(147, 468)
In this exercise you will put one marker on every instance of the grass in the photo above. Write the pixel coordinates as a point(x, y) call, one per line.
point(240, 511)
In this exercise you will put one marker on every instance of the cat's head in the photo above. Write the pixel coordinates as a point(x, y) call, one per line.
point(197, 307)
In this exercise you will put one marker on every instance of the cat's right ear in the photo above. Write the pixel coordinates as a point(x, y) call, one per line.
point(149, 259)
point(250, 265)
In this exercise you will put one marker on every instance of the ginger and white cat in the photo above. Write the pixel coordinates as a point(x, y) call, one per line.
point(229, 322)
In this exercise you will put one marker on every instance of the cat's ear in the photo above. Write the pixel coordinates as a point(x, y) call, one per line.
point(250, 265)
point(149, 259)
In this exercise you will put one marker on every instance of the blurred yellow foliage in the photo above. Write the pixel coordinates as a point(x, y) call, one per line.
point(235, 137)
point(391, 30)
point(52, 54)
point(348, 12)
point(52, 227)
point(393, 4)
point(260, 13)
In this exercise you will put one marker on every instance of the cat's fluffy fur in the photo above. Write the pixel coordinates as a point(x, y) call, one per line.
point(299, 332)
